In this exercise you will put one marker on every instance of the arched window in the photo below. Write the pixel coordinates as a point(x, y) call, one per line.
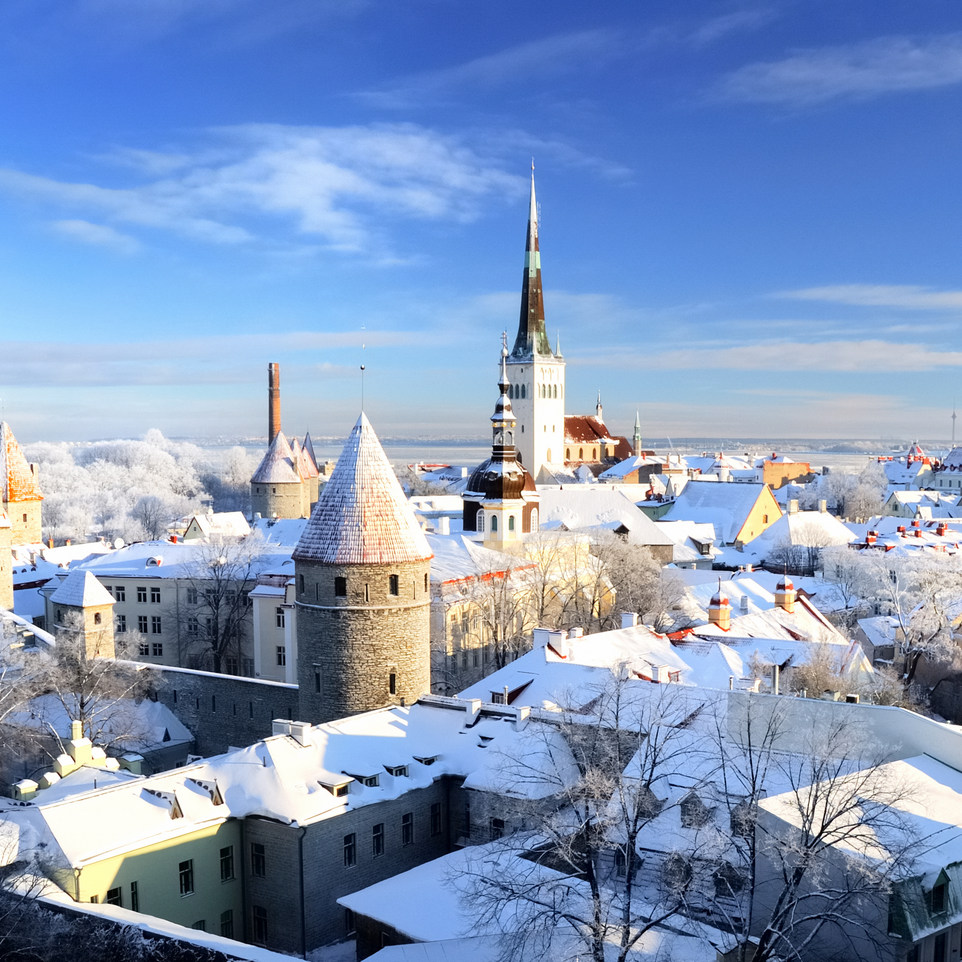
point(509, 437)
point(567, 454)
point(534, 519)
point(581, 454)
point(494, 522)
point(523, 389)
point(480, 521)
point(96, 617)
point(511, 522)
point(594, 454)
point(555, 389)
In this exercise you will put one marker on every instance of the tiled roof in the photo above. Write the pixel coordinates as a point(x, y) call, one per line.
point(362, 516)
point(278, 465)
point(17, 481)
point(81, 589)
point(306, 463)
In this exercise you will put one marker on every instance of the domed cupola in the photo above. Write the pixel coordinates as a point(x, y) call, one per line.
point(501, 499)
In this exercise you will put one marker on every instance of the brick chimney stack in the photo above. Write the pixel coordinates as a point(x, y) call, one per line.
point(273, 401)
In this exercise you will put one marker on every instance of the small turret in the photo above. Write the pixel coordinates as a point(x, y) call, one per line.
point(785, 594)
point(719, 609)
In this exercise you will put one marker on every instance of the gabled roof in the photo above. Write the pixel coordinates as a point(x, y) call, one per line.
point(726, 505)
point(362, 516)
point(598, 506)
point(81, 589)
point(278, 465)
point(17, 481)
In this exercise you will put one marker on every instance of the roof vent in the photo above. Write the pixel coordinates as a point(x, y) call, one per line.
point(155, 561)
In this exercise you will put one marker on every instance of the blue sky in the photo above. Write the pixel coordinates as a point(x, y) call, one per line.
point(750, 214)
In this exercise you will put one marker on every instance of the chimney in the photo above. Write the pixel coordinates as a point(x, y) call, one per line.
point(822, 506)
point(273, 401)
point(793, 505)
point(785, 595)
point(719, 610)
point(775, 690)
point(444, 524)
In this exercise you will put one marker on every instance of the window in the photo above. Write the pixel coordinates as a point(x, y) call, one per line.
point(377, 840)
point(134, 897)
point(232, 664)
point(192, 596)
point(494, 522)
point(511, 522)
point(193, 626)
point(121, 624)
point(259, 924)
point(120, 592)
point(407, 828)
point(435, 818)
point(340, 587)
point(97, 618)
point(155, 596)
point(939, 897)
point(157, 650)
point(350, 926)
point(144, 649)
point(94, 899)
point(142, 594)
point(300, 583)
point(227, 863)
point(227, 924)
point(142, 624)
point(621, 863)
point(155, 625)
point(394, 585)
point(497, 827)
point(200, 925)
point(480, 524)
point(398, 771)
point(425, 581)
point(258, 860)
point(279, 617)
point(350, 850)
point(317, 679)
point(367, 592)
point(392, 683)
point(467, 818)
point(186, 872)
point(114, 896)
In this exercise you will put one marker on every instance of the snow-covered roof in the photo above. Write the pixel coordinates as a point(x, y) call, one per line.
point(727, 506)
point(82, 590)
point(598, 506)
point(278, 466)
point(362, 515)
point(17, 481)
point(224, 523)
point(457, 557)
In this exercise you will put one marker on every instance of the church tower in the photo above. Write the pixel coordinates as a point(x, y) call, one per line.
point(501, 500)
point(362, 590)
point(20, 490)
point(537, 373)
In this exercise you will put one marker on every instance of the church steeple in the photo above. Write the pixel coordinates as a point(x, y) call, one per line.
point(503, 421)
point(636, 436)
point(532, 338)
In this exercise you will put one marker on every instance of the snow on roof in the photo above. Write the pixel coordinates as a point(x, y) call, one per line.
point(362, 515)
point(457, 557)
point(803, 528)
point(81, 589)
point(278, 465)
point(623, 468)
point(727, 506)
point(285, 531)
point(427, 903)
point(226, 523)
point(17, 481)
point(596, 506)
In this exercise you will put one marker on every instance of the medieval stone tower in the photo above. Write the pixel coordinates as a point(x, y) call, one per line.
point(6, 565)
point(82, 610)
point(362, 590)
point(20, 490)
point(501, 500)
point(537, 373)
point(285, 483)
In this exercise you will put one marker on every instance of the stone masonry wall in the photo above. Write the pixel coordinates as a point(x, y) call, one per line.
point(223, 710)
point(349, 647)
point(305, 866)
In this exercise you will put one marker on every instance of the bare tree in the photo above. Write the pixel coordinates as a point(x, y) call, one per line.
point(216, 614)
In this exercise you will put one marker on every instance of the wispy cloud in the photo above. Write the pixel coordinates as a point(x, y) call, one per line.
point(853, 72)
point(787, 356)
point(339, 186)
point(97, 235)
point(546, 57)
point(910, 297)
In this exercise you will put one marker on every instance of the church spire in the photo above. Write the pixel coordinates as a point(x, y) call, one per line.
point(532, 338)
point(636, 436)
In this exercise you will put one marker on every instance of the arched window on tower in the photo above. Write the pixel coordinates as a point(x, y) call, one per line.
point(511, 522)
point(523, 391)
point(480, 524)
point(555, 390)
point(494, 523)
point(581, 454)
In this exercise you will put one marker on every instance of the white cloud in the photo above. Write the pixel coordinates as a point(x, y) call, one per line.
point(340, 186)
point(880, 295)
point(97, 235)
point(868, 356)
point(545, 57)
point(856, 71)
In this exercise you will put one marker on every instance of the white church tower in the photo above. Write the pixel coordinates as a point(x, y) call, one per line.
point(537, 374)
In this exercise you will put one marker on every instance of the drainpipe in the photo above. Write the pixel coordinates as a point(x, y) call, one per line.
point(300, 857)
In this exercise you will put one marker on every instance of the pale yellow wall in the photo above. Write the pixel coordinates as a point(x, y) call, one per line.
point(766, 507)
point(155, 870)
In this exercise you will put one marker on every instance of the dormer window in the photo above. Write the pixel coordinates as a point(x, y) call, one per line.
point(426, 759)
point(398, 771)
point(939, 896)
